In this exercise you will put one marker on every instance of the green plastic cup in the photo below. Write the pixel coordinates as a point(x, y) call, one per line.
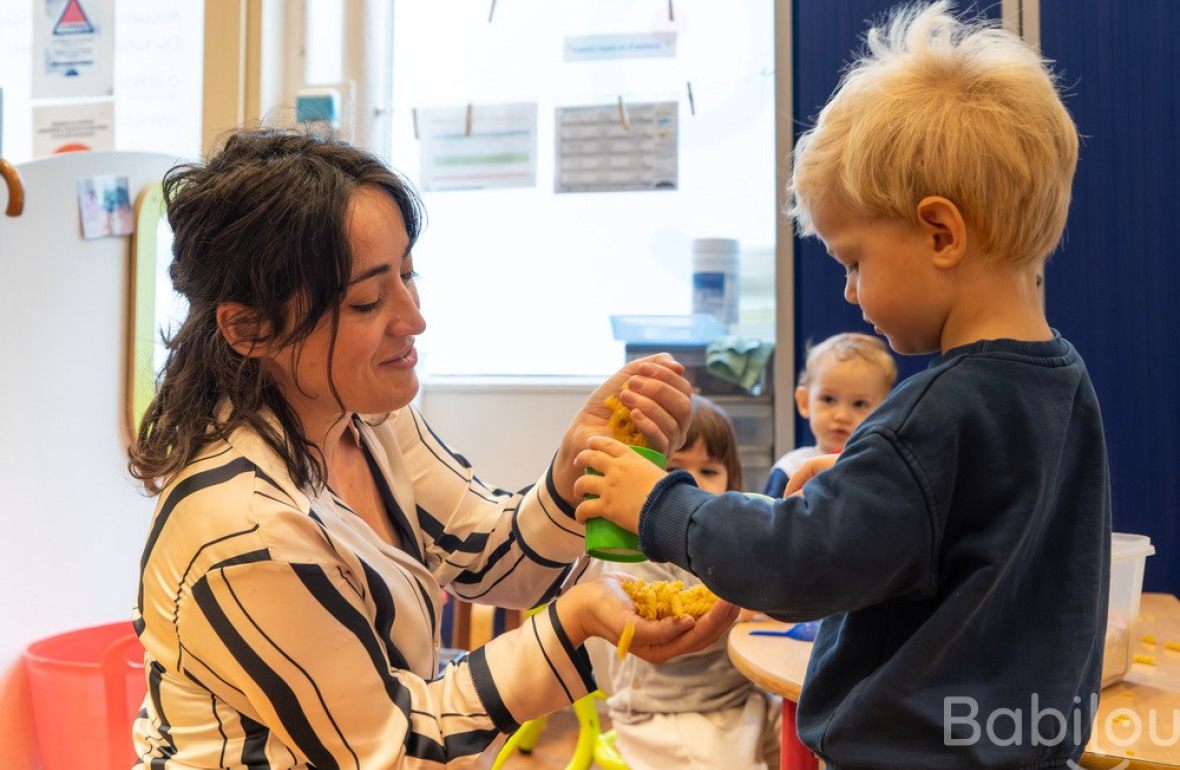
point(607, 540)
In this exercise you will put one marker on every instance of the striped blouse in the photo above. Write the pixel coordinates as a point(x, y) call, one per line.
point(282, 632)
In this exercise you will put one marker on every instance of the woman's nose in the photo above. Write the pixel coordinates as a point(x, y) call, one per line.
point(407, 316)
point(850, 290)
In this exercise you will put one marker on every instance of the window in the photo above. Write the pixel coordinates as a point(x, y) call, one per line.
point(158, 55)
point(522, 281)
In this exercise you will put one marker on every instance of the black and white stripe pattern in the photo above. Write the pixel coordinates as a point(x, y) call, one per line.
point(281, 632)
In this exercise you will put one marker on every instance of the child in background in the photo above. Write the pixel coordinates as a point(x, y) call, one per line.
point(697, 710)
point(843, 379)
point(958, 548)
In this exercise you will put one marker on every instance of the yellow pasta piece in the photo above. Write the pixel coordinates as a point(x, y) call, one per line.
point(1146, 659)
point(621, 427)
point(668, 598)
point(625, 639)
point(1173, 646)
point(1149, 639)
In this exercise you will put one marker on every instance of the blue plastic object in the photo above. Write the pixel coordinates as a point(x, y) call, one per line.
point(804, 632)
point(699, 329)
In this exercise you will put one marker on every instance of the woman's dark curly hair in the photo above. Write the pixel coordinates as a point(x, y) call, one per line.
point(263, 224)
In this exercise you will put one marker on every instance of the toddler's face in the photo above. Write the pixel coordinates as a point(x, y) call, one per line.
point(889, 273)
point(710, 473)
point(838, 398)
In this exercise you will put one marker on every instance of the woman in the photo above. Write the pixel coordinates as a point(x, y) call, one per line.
point(308, 516)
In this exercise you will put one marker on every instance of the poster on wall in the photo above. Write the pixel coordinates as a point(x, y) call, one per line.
point(478, 147)
point(73, 127)
point(73, 49)
point(617, 147)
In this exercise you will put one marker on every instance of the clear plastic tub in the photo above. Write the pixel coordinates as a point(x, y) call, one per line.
point(1128, 556)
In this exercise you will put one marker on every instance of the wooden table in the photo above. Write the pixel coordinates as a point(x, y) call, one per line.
point(776, 664)
point(1149, 695)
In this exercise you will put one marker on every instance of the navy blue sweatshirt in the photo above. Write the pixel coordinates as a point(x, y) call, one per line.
point(959, 552)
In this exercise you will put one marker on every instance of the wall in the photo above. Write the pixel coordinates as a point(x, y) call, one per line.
point(74, 522)
point(509, 433)
point(1113, 289)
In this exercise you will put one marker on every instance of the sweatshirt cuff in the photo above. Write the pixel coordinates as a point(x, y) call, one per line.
point(664, 519)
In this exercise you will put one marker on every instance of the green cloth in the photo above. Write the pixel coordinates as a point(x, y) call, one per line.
point(739, 360)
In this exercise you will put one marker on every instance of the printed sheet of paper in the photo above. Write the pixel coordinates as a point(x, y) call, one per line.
point(72, 127)
point(600, 47)
point(499, 151)
point(596, 153)
point(73, 48)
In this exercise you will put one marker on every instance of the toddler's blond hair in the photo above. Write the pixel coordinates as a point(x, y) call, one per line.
point(846, 346)
point(940, 106)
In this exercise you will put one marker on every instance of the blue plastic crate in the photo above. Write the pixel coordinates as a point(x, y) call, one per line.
point(667, 329)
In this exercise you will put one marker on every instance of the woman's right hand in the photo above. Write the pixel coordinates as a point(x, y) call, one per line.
point(660, 400)
point(600, 607)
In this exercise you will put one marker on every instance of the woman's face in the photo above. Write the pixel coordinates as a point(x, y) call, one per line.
point(374, 356)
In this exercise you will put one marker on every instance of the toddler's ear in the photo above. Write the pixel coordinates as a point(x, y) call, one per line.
point(946, 229)
point(803, 401)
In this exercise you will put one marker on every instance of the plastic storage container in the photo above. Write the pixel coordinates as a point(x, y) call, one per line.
point(698, 329)
point(1128, 556)
point(715, 278)
point(86, 686)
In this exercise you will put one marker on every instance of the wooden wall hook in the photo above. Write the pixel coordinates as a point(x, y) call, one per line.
point(16, 190)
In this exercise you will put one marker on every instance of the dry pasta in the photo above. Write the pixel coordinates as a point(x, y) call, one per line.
point(625, 639)
point(668, 598)
point(620, 425)
point(660, 599)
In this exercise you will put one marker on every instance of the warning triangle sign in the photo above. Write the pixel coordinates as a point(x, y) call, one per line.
point(73, 20)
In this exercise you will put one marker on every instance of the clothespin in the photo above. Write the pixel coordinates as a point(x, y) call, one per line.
point(467, 130)
point(414, 114)
point(492, 11)
point(692, 107)
point(671, 13)
point(626, 124)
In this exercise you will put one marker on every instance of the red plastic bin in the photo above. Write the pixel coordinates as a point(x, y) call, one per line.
point(87, 686)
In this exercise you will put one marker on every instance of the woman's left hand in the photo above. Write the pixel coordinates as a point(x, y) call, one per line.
point(660, 400)
point(600, 607)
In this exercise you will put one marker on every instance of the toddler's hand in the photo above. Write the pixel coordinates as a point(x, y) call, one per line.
point(809, 470)
point(655, 391)
point(621, 490)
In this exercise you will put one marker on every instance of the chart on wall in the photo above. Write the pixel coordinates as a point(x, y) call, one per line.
point(478, 147)
point(617, 147)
